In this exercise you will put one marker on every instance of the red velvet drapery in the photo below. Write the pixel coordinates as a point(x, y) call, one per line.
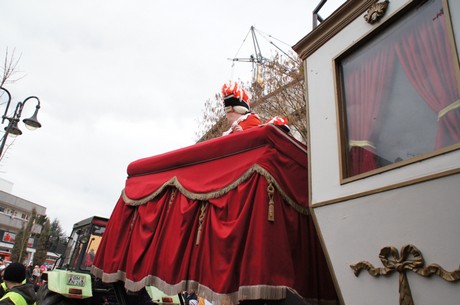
point(364, 91)
point(431, 71)
point(200, 218)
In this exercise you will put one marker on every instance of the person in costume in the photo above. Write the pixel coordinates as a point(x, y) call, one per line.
point(237, 108)
point(17, 291)
point(282, 123)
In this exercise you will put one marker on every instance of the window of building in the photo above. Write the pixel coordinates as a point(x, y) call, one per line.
point(400, 92)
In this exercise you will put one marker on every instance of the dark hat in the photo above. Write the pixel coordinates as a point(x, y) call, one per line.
point(15, 272)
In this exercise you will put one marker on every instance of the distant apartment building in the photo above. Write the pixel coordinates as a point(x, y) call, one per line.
point(15, 212)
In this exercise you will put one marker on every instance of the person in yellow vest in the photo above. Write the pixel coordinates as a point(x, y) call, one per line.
point(17, 291)
point(3, 289)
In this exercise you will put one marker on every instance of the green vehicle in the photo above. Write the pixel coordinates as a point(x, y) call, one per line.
point(70, 280)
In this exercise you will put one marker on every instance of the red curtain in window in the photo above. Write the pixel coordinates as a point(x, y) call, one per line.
point(364, 91)
point(426, 59)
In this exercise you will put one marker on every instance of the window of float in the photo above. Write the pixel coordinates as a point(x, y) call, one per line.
point(453, 9)
point(399, 99)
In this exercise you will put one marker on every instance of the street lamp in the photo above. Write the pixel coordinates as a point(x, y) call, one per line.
point(12, 128)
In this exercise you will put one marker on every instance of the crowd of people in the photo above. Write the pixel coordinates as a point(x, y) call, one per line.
point(34, 275)
point(27, 285)
point(15, 288)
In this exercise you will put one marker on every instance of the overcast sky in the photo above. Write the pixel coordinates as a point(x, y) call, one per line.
point(122, 80)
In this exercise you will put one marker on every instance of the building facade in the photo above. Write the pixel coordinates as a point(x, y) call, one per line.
point(15, 212)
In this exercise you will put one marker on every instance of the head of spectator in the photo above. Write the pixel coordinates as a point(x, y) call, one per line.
point(14, 275)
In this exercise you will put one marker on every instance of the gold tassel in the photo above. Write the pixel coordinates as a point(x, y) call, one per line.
point(271, 202)
point(200, 222)
point(171, 199)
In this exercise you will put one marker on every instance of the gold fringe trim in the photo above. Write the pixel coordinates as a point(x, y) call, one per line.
point(206, 196)
point(361, 144)
point(451, 107)
point(255, 292)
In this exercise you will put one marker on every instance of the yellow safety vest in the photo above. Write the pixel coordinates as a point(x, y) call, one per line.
point(4, 287)
point(15, 297)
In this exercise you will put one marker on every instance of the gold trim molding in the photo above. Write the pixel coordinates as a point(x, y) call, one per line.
point(409, 259)
point(376, 11)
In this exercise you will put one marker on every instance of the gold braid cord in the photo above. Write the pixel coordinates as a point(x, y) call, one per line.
point(411, 259)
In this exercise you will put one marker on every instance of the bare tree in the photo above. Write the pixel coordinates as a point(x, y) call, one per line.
point(277, 91)
point(212, 123)
point(9, 72)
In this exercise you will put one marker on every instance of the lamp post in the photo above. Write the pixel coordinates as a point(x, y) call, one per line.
point(12, 128)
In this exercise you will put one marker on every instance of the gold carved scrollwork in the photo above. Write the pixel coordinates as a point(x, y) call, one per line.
point(376, 11)
point(409, 259)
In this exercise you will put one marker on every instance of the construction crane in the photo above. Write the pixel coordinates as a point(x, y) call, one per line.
point(255, 59)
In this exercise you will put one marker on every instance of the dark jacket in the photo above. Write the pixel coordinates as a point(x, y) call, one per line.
point(26, 291)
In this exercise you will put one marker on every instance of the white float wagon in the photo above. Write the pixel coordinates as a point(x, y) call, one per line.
point(384, 161)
